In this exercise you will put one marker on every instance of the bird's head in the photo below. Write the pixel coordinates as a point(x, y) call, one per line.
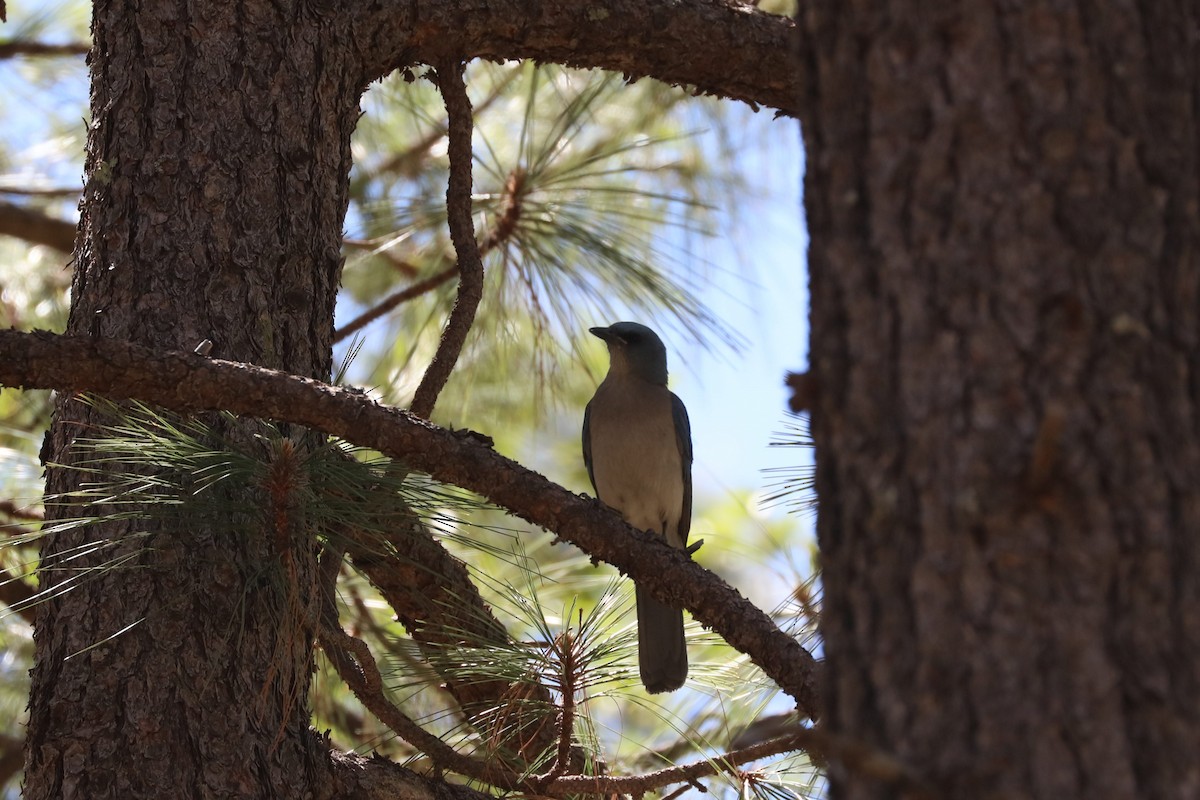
point(634, 349)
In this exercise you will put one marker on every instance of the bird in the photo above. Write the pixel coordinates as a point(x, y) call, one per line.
point(637, 446)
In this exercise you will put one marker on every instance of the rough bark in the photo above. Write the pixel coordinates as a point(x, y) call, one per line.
point(727, 49)
point(1002, 200)
point(216, 187)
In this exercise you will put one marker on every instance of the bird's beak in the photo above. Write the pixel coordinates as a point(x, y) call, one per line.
point(604, 333)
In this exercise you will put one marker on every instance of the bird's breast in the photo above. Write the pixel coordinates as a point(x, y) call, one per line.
point(635, 455)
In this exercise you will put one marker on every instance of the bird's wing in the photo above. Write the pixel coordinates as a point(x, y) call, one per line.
point(587, 444)
point(683, 438)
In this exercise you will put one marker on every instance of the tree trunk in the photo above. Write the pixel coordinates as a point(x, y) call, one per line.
point(1002, 201)
point(218, 159)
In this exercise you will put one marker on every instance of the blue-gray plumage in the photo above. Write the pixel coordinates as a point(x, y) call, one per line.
point(637, 445)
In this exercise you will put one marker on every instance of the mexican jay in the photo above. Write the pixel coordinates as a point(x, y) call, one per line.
point(637, 445)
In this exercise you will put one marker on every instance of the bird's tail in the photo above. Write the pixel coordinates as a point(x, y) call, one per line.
point(662, 649)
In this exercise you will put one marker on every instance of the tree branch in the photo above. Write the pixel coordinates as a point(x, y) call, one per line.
point(359, 778)
point(31, 49)
point(396, 298)
point(362, 675)
point(462, 233)
point(414, 158)
point(684, 773)
point(505, 226)
point(434, 598)
point(9, 508)
point(12, 758)
point(853, 755)
point(27, 191)
point(722, 48)
point(34, 226)
point(18, 596)
point(187, 382)
point(367, 684)
point(381, 246)
point(15, 593)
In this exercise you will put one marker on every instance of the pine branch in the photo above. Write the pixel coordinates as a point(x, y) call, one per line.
point(12, 755)
point(462, 233)
point(759, 61)
point(28, 49)
point(504, 228)
point(362, 675)
point(412, 159)
point(187, 382)
point(18, 596)
point(375, 778)
point(393, 300)
point(438, 604)
point(853, 755)
point(9, 508)
point(36, 227)
point(367, 684)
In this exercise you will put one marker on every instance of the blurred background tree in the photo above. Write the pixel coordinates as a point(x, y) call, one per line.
point(594, 201)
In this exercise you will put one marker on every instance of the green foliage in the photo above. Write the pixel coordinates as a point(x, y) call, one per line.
point(151, 464)
point(794, 486)
point(594, 201)
point(577, 178)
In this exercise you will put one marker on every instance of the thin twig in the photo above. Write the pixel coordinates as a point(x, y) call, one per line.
point(504, 227)
point(367, 685)
point(408, 160)
point(462, 233)
point(854, 755)
point(564, 646)
point(328, 568)
point(396, 298)
point(678, 792)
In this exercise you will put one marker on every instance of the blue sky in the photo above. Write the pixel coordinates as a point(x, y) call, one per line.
point(736, 400)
